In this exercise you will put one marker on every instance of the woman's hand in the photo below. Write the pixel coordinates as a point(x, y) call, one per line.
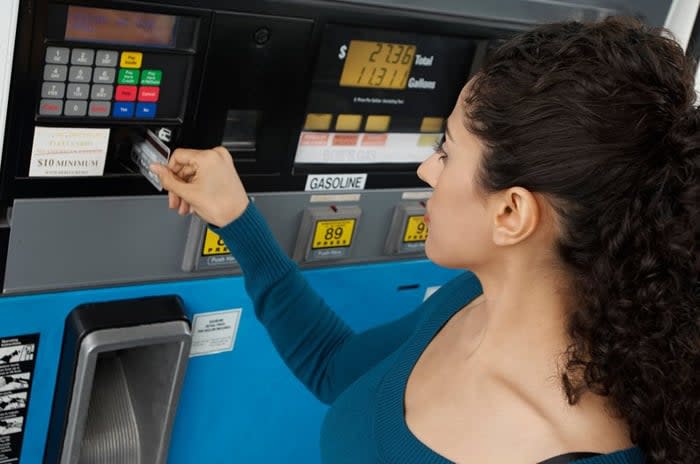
point(204, 182)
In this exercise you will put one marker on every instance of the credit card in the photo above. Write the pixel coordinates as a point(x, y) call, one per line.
point(158, 144)
point(147, 151)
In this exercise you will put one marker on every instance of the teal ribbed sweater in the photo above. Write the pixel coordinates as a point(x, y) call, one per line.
point(361, 375)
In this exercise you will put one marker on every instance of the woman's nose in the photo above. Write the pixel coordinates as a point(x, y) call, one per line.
point(424, 170)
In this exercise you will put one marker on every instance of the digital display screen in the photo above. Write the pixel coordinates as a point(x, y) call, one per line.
point(380, 65)
point(120, 27)
point(380, 98)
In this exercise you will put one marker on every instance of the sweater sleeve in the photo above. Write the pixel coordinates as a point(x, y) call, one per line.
point(318, 346)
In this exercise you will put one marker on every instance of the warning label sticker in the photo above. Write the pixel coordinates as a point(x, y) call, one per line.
point(214, 332)
point(213, 244)
point(17, 358)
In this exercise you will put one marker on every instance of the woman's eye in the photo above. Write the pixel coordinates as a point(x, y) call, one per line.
point(439, 148)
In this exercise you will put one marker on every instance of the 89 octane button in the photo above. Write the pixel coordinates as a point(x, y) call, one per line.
point(334, 233)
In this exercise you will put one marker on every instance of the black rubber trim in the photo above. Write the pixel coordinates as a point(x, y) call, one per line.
point(569, 457)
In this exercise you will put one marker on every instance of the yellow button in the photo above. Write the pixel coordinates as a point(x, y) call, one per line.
point(377, 123)
point(131, 59)
point(428, 140)
point(318, 121)
point(430, 124)
point(213, 245)
point(336, 233)
point(416, 229)
point(348, 122)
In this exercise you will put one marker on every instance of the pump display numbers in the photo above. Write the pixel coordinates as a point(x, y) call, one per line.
point(380, 65)
point(416, 229)
point(334, 233)
point(87, 24)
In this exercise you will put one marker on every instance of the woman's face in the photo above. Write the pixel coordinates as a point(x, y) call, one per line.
point(457, 213)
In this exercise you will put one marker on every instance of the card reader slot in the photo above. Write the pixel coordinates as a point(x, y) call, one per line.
point(241, 133)
point(133, 140)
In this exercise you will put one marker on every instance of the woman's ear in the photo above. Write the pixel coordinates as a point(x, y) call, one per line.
point(516, 216)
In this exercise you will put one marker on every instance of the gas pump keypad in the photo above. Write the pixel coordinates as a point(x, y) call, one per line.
point(96, 87)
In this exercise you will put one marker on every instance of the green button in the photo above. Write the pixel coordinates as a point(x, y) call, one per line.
point(128, 76)
point(151, 76)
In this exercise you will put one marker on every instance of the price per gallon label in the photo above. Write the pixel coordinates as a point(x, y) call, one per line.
point(213, 245)
point(334, 233)
point(416, 229)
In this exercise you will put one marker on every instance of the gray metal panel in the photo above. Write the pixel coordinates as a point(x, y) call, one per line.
point(68, 243)
point(534, 11)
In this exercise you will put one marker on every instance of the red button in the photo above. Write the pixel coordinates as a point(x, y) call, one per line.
point(50, 107)
point(99, 108)
point(125, 93)
point(149, 94)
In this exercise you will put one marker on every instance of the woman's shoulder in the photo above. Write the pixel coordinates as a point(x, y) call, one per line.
point(461, 291)
point(632, 455)
point(463, 288)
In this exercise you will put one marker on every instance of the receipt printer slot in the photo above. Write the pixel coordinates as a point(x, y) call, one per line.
point(122, 366)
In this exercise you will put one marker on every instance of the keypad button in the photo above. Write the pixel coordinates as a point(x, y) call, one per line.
point(57, 55)
point(151, 76)
point(75, 108)
point(103, 75)
point(123, 110)
point(106, 58)
point(53, 90)
point(101, 92)
point(55, 72)
point(125, 93)
point(99, 109)
point(128, 76)
point(82, 56)
point(78, 91)
point(79, 74)
point(146, 110)
point(149, 94)
point(50, 107)
point(131, 60)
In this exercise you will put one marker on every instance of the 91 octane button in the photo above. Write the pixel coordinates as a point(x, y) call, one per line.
point(334, 233)
point(416, 229)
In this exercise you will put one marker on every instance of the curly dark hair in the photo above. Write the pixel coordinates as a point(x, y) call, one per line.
point(599, 118)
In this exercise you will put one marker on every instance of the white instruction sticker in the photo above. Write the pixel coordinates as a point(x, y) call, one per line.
point(17, 358)
point(68, 151)
point(214, 332)
point(325, 182)
point(429, 291)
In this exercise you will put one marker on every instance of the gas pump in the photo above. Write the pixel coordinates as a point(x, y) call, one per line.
point(127, 335)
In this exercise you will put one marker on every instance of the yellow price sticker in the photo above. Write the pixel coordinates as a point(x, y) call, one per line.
point(416, 229)
point(335, 233)
point(213, 245)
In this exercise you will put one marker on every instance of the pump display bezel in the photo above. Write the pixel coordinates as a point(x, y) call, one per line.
point(269, 165)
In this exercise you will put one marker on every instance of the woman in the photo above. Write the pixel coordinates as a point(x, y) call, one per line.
point(567, 184)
